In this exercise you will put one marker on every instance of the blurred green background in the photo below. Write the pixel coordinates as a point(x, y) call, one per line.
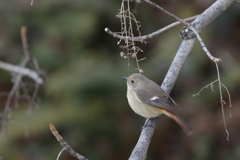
point(85, 97)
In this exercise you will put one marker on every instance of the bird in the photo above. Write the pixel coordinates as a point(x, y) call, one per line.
point(149, 100)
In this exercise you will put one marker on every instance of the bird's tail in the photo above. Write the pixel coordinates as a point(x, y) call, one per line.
point(186, 128)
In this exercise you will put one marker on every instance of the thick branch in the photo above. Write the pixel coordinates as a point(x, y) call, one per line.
point(23, 71)
point(199, 24)
point(209, 15)
point(177, 64)
point(140, 150)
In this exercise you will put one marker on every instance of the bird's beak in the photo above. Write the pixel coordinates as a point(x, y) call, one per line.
point(125, 78)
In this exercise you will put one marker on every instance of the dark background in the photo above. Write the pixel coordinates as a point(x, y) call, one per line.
point(85, 97)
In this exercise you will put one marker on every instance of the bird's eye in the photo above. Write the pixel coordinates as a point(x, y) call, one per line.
point(132, 81)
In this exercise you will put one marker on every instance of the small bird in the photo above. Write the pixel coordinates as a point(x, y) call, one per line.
point(149, 100)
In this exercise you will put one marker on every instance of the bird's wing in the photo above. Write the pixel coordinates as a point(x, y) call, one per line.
point(174, 103)
point(156, 101)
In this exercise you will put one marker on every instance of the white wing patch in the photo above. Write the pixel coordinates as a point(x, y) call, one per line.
point(154, 98)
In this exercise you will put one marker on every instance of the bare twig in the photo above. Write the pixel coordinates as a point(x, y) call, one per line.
point(229, 98)
point(35, 67)
point(24, 41)
point(211, 85)
point(18, 72)
point(191, 27)
point(21, 70)
point(64, 143)
point(31, 101)
point(165, 11)
point(214, 59)
point(59, 154)
point(127, 20)
point(151, 35)
point(221, 100)
point(7, 109)
point(26, 51)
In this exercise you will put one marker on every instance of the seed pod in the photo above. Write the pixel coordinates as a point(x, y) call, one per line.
point(122, 54)
point(134, 55)
point(141, 71)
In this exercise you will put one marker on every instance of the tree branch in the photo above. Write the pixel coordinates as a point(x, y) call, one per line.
point(148, 36)
point(199, 24)
point(21, 70)
point(65, 144)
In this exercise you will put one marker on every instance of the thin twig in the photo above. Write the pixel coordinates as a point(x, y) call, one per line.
point(26, 51)
point(30, 103)
point(127, 20)
point(187, 24)
point(134, 48)
point(214, 59)
point(166, 12)
point(229, 98)
point(9, 99)
point(59, 154)
point(65, 144)
point(17, 73)
point(211, 84)
point(35, 66)
point(148, 36)
point(24, 41)
point(221, 100)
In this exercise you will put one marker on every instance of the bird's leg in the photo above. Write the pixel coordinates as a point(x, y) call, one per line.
point(146, 123)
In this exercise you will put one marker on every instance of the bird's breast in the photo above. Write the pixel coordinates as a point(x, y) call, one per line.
point(143, 109)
